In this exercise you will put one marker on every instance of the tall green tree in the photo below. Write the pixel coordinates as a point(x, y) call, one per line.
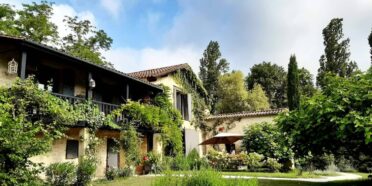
point(335, 59)
point(293, 93)
point(234, 97)
point(211, 68)
point(306, 86)
point(370, 44)
point(86, 41)
point(31, 22)
point(232, 93)
point(273, 80)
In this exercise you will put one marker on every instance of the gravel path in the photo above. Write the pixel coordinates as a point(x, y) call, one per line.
point(341, 176)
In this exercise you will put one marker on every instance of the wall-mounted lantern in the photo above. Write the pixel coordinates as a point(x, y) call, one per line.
point(92, 83)
point(12, 67)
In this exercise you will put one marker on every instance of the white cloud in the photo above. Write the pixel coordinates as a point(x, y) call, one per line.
point(252, 31)
point(62, 10)
point(130, 60)
point(112, 6)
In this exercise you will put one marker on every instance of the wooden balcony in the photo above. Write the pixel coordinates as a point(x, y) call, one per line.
point(106, 108)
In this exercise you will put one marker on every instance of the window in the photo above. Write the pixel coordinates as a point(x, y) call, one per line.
point(182, 105)
point(72, 149)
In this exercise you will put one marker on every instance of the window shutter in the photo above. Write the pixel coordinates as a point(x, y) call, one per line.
point(189, 104)
point(174, 97)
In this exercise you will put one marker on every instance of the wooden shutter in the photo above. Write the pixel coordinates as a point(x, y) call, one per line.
point(189, 106)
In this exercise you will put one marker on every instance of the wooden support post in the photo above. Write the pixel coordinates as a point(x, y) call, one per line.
point(127, 92)
point(90, 90)
point(23, 65)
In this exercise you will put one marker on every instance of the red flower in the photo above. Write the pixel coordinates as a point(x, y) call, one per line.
point(145, 158)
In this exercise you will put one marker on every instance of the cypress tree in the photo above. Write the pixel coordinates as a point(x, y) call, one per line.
point(293, 93)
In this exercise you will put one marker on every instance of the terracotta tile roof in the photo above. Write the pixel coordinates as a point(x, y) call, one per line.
point(246, 114)
point(61, 52)
point(159, 72)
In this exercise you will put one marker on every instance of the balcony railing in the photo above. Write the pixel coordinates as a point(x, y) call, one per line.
point(106, 108)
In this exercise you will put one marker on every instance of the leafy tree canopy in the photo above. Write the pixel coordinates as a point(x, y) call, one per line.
point(306, 85)
point(336, 120)
point(336, 53)
point(233, 96)
point(272, 78)
point(232, 93)
point(257, 99)
point(211, 68)
point(85, 41)
point(31, 22)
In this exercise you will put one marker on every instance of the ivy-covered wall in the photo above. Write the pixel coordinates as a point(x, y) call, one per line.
point(193, 129)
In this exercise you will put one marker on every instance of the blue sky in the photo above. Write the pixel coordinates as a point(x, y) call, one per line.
point(155, 33)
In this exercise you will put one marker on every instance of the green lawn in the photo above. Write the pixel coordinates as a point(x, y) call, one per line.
point(363, 174)
point(147, 181)
point(132, 181)
point(292, 174)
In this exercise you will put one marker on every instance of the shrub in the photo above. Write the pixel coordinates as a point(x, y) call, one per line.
point(152, 162)
point(125, 172)
point(266, 139)
point(86, 169)
point(254, 161)
point(272, 165)
point(193, 159)
point(111, 173)
point(61, 174)
point(217, 160)
point(345, 165)
point(180, 163)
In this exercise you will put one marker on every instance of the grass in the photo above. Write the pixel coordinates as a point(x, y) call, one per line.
point(292, 174)
point(149, 181)
point(299, 183)
point(133, 181)
point(363, 174)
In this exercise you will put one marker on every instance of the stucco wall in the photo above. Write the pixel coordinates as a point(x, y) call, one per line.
point(8, 54)
point(103, 135)
point(58, 150)
point(193, 137)
point(237, 126)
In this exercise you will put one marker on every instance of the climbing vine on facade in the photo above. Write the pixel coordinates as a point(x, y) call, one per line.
point(159, 116)
point(190, 83)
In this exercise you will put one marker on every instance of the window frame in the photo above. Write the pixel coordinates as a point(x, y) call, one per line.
point(67, 147)
point(183, 105)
